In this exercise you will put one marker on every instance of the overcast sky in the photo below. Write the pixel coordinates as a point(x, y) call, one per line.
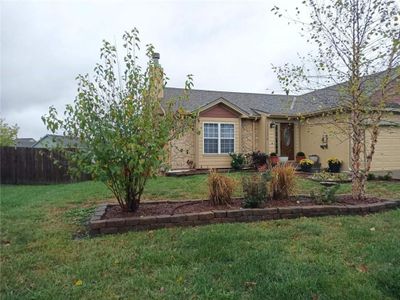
point(226, 45)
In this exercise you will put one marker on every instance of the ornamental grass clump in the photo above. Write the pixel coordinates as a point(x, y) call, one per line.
point(220, 188)
point(283, 181)
point(255, 189)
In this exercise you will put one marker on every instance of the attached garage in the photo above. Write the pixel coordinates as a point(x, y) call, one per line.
point(387, 154)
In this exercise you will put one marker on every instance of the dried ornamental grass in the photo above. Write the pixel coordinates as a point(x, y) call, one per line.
point(220, 188)
point(283, 181)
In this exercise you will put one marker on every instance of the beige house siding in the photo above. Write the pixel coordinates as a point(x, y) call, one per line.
point(216, 160)
point(182, 150)
point(311, 133)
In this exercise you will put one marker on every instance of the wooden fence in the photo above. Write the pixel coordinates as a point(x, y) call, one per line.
point(34, 166)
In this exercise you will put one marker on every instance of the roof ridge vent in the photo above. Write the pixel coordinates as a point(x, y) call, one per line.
point(293, 103)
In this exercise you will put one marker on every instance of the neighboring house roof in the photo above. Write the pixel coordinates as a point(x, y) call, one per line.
point(273, 104)
point(24, 142)
point(53, 140)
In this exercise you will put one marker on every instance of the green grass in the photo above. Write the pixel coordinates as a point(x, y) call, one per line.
point(329, 258)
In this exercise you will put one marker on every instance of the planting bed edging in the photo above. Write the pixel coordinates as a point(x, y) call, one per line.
point(97, 225)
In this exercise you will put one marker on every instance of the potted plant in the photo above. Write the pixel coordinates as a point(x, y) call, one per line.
point(334, 165)
point(274, 158)
point(259, 160)
point(306, 165)
point(299, 156)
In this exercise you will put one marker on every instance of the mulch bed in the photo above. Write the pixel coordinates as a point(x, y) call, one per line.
point(182, 207)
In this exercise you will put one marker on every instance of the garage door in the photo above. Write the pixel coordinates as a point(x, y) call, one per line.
point(387, 154)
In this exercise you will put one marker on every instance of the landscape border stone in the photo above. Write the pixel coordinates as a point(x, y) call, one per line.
point(98, 225)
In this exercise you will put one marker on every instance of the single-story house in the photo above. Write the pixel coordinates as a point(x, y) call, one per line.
point(53, 140)
point(245, 122)
point(24, 142)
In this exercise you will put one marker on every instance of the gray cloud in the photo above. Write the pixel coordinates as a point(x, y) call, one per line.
point(226, 45)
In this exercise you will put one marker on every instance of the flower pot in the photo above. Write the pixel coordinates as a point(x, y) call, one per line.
point(299, 158)
point(262, 168)
point(274, 160)
point(306, 168)
point(283, 159)
point(334, 168)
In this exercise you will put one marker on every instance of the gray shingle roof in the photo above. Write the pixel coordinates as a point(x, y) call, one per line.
point(248, 102)
point(323, 99)
point(24, 142)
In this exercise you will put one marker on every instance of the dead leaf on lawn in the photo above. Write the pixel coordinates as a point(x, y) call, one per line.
point(78, 282)
point(315, 297)
point(362, 268)
point(250, 284)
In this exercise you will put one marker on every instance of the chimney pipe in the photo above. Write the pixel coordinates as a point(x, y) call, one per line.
point(156, 57)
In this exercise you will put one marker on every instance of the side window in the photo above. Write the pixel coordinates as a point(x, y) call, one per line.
point(227, 138)
point(210, 138)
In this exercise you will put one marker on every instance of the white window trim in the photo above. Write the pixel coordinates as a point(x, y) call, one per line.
point(219, 137)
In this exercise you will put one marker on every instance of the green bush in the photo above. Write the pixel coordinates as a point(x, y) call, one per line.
point(255, 189)
point(238, 160)
point(387, 176)
point(325, 194)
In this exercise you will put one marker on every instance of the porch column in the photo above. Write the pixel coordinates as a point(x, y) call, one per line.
point(262, 145)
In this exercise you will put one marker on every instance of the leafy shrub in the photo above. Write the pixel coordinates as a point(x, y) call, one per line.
point(325, 194)
point(238, 160)
point(387, 176)
point(300, 153)
point(220, 188)
point(283, 181)
point(255, 189)
point(273, 154)
point(326, 176)
point(259, 159)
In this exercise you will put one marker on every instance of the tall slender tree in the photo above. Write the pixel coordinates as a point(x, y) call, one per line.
point(353, 39)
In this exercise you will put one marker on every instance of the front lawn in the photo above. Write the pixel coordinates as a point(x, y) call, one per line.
point(330, 257)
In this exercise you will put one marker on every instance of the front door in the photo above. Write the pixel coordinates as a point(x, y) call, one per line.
point(287, 140)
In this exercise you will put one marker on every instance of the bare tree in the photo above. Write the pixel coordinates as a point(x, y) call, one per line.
point(357, 51)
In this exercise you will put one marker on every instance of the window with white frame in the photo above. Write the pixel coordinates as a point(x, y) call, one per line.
point(219, 138)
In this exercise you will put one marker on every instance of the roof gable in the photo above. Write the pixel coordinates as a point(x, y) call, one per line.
point(220, 110)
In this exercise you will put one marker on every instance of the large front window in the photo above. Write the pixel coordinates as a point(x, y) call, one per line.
point(218, 138)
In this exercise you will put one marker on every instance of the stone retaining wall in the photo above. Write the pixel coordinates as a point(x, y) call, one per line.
point(119, 225)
